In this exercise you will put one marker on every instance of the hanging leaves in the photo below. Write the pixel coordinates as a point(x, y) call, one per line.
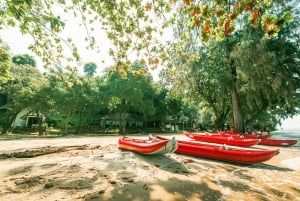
point(134, 27)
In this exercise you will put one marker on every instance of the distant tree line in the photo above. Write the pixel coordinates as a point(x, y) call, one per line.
point(67, 98)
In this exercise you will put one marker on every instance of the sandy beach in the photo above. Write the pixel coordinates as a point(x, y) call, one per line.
point(94, 168)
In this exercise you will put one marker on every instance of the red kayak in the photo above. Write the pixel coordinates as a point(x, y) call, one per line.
point(224, 152)
point(264, 139)
point(248, 136)
point(215, 138)
point(278, 142)
point(148, 146)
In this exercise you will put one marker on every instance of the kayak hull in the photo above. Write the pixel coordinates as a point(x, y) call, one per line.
point(248, 136)
point(264, 139)
point(225, 153)
point(215, 138)
point(278, 142)
point(148, 147)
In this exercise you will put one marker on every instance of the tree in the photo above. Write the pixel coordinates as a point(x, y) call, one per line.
point(129, 94)
point(41, 103)
point(268, 69)
point(90, 69)
point(66, 92)
point(227, 60)
point(24, 59)
point(207, 83)
point(26, 81)
point(5, 65)
point(133, 26)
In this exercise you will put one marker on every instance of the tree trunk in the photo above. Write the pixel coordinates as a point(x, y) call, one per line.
point(9, 121)
point(122, 124)
point(236, 109)
point(67, 121)
point(79, 123)
point(42, 129)
point(237, 117)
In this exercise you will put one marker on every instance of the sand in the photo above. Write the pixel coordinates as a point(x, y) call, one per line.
point(93, 168)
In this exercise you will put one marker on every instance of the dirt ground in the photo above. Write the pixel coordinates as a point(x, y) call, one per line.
point(94, 168)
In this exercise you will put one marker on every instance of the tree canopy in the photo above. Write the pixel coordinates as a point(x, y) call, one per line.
point(135, 27)
point(5, 64)
point(180, 35)
point(24, 59)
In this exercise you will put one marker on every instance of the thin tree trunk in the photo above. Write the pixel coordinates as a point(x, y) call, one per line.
point(122, 121)
point(79, 123)
point(42, 129)
point(9, 121)
point(66, 129)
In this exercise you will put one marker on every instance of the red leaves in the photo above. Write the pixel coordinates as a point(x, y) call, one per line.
point(255, 14)
point(197, 23)
point(248, 7)
point(206, 29)
point(188, 2)
point(227, 28)
point(232, 16)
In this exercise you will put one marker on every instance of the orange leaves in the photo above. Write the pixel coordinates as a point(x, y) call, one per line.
point(255, 14)
point(138, 73)
point(171, 2)
point(197, 23)
point(237, 5)
point(232, 16)
point(148, 6)
point(269, 24)
point(227, 28)
point(155, 61)
point(248, 7)
point(195, 11)
point(188, 2)
point(254, 20)
point(219, 13)
point(206, 29)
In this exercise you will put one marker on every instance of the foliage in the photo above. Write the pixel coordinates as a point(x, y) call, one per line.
point(135, 27)
point(132, 93)
point(23, 60)
point(5, 65)
point(264, 72)
point(90, 68)
point(18, 92)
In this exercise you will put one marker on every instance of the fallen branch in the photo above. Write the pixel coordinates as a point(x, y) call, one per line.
point(30, 153)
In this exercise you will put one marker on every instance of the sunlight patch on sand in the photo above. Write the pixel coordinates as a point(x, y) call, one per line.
point(293, 163)
point(159, 192)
